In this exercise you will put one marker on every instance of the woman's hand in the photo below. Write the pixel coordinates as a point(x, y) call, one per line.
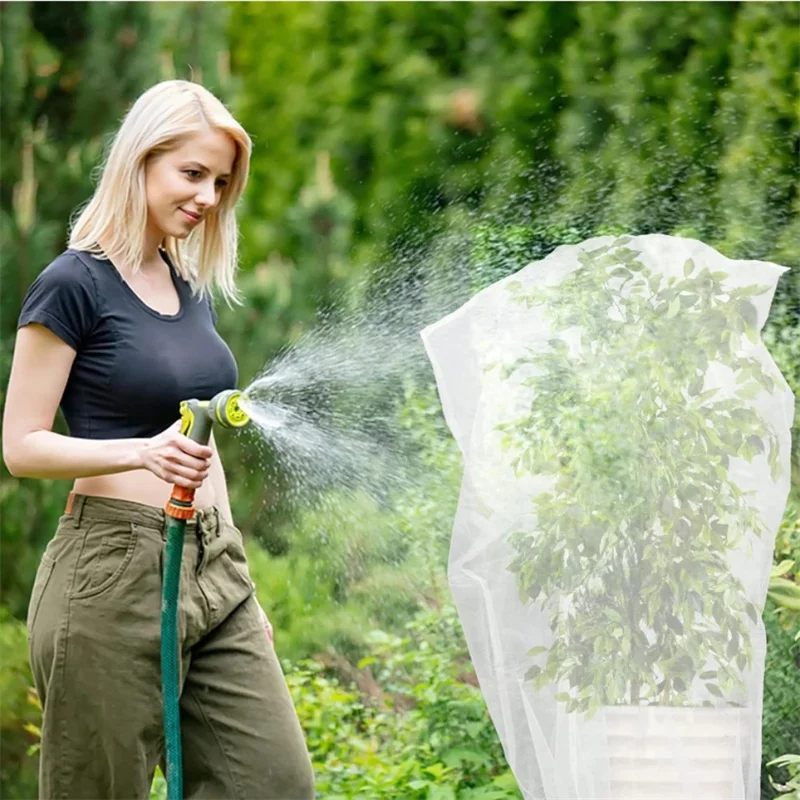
point(267, 625)
point(176, 459)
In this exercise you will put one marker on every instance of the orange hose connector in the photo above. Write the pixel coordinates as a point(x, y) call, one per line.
point(181, 503)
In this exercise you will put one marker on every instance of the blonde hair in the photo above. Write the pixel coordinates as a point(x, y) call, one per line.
point(159, 121)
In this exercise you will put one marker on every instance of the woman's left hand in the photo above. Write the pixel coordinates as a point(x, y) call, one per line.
point(267, 624)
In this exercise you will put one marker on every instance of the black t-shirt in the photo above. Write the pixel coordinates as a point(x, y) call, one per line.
point(133, 365)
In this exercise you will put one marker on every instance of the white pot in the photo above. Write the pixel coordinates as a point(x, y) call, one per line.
point(664, 753)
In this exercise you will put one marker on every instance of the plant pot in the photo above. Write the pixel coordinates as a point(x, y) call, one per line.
point(667, 753)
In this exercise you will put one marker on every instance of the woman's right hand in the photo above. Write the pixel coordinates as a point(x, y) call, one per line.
point(176, 459)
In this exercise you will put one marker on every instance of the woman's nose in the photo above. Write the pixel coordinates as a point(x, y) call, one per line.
point(207, 195)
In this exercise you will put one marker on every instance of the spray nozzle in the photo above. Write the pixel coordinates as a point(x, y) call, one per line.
point(197, 416)
point(225, 409)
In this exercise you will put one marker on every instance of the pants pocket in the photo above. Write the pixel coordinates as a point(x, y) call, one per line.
point(107, 550)
point(43, 574)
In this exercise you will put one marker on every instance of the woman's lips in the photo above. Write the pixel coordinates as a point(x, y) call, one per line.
point(191, 217)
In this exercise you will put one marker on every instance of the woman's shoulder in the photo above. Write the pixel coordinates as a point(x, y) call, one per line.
point(81, 275)
point(72, 265)
point(64, 298)
point(82, 271)
point(69, 271)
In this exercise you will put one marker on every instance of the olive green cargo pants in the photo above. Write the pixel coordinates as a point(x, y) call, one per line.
point(94, 628)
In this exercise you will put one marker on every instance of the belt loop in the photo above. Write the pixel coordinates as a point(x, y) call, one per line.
point(164, 525)
point(78, 502)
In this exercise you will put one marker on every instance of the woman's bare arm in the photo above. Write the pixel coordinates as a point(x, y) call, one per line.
point(39, 373)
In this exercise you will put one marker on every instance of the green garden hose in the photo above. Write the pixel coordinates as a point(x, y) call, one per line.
point(197, 417)
point(170, 663)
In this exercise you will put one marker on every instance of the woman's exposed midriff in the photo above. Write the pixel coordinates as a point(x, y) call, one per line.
point(140, 486)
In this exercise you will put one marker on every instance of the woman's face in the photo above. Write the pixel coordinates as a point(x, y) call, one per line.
point(184, 184)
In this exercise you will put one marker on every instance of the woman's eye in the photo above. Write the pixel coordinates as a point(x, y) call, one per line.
point(222, 184)
point(192, 173)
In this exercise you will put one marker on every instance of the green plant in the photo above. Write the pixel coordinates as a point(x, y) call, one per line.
point(420, 731)
point(634, 538)
point(158, 789)
point(790, 789)
point(20, 713)
point(781, 714)
point(784, 582)
point(355, 564)
point(785, 591)
point(780, 724)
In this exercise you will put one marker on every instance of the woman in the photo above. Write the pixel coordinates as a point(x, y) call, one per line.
point(118, 329)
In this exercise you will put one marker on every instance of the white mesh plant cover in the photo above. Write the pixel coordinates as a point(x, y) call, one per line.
point(626, 443)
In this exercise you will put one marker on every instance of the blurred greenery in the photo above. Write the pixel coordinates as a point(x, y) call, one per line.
point(390, 137)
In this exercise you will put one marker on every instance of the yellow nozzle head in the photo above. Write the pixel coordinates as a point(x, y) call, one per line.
point(224, 408)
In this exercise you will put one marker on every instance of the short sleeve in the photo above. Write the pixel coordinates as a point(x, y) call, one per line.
point(63, 298)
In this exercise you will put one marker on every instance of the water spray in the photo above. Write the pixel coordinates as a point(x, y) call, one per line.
point(197, 419)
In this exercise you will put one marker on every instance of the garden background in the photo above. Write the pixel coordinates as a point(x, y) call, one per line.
point(381, 130)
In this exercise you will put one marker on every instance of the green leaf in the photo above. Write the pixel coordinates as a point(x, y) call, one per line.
point(756, 443)
point(533, 672)
point(535, 651)
point(784, 761)
point(505, 781)
point(674, 623)
point(775, 470)
point(705, 395)
point(620, 272)
point(741, 662)
point(785, 593)
point(749, 314)
point(441, 792)
point(714, 689)
point(437, 770)
point(781, 569)
point(688, 267)
point(462, 755)
point(674, 308)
